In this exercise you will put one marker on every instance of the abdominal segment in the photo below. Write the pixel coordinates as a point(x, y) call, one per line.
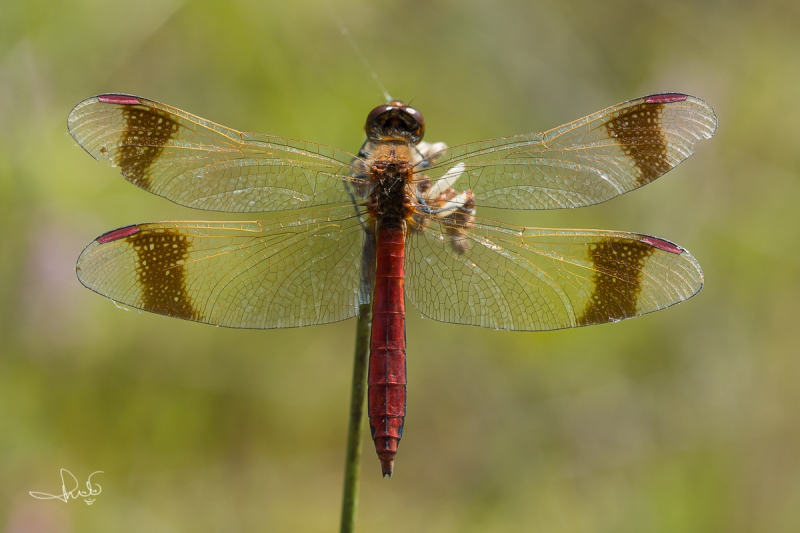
point(387, 359)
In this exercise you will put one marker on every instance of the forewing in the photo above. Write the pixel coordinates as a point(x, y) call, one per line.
point(533, 279)
point(587, 161)
point(200, 164)
point(286, 272)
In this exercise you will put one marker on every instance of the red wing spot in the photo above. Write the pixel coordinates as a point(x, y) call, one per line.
point(118, 99)
point(663, 245)
point(666, 98)
point(117, 234)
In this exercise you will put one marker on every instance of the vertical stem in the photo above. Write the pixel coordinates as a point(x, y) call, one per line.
point(352, 467)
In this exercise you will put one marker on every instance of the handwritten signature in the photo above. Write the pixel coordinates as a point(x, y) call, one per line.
point(74, 493)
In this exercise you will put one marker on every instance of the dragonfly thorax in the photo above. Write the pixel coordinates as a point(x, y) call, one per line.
point(391, 170)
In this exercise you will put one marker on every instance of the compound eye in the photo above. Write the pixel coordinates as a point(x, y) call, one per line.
point(417, 116)
point(414, 113)
point(375, 113)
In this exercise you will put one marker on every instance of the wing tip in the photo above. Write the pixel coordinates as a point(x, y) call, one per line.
point(675, 97)
point(671, 247)
point(107, 98)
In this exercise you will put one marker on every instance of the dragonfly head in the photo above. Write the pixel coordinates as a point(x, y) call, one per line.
point(396, 118)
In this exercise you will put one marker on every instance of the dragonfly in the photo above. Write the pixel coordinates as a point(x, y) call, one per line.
point(395, 222)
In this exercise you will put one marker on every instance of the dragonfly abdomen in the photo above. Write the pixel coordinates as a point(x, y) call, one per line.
point(387, 359)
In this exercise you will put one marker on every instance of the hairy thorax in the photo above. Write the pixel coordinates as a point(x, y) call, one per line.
point(391, 171)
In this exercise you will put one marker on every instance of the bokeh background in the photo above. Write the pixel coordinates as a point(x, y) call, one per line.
point(685, 421)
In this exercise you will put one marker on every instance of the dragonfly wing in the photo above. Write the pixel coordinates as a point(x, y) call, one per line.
point(533, 279)
point(285, 272)
point(197, 163)
point(585, 162)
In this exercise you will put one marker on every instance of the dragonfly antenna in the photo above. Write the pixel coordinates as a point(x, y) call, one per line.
point(357, 49)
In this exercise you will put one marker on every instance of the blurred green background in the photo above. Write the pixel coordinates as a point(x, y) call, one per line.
point(683, 421)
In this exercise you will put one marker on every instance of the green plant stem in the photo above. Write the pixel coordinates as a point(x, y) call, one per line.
point(352, 467)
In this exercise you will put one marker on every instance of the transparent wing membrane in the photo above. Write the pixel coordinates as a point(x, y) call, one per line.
point(585, 162)
point(532, 279)
point(293, 271)
point(197, 163)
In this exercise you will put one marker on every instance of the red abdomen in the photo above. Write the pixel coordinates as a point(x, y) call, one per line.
point(387, 356)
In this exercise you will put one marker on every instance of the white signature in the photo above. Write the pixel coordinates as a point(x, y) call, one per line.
point(74, 493)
